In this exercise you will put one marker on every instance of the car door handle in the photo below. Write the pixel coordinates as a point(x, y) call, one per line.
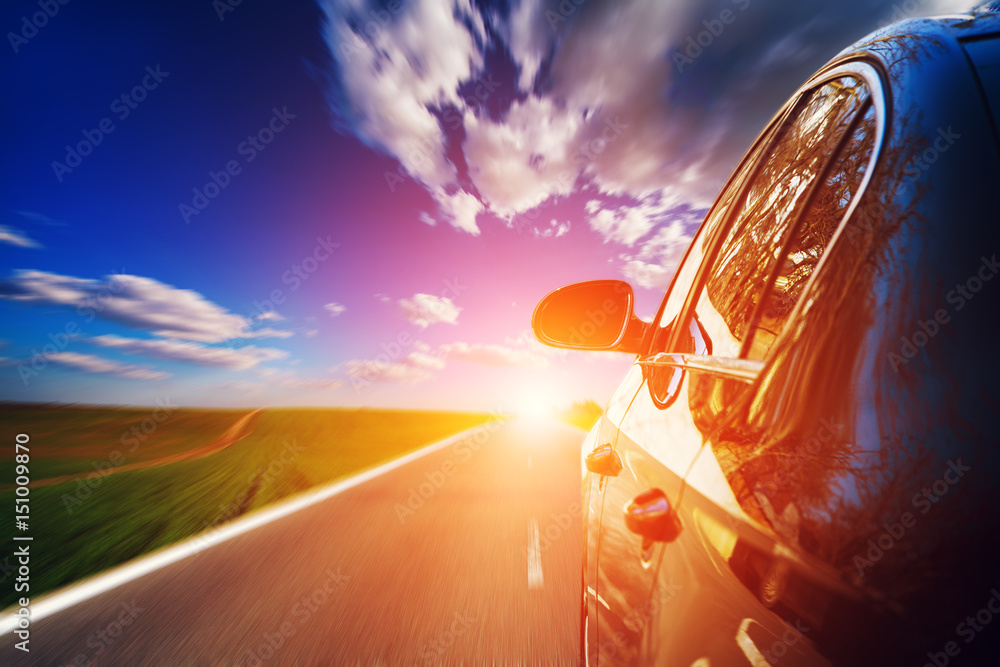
point(650, 515)
point(604, 461)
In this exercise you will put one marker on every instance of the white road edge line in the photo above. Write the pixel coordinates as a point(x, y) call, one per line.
point(535, 578)
point(59, 600)
point(746, 644)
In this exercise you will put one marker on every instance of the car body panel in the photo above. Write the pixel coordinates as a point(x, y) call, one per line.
point(793, 490)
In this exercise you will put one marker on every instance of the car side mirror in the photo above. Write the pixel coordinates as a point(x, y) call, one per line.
point(594, 315)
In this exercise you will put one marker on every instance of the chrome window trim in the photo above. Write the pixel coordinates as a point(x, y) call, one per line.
point(746, 369)
point(739, 369)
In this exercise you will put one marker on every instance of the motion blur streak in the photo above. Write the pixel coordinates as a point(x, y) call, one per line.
point(449, 584)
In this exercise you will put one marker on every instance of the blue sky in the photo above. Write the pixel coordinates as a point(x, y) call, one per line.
point(408, 179)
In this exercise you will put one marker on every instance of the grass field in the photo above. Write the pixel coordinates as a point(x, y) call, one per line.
point(93, 518)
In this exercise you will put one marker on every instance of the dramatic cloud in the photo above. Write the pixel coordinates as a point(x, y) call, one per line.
point(335, 309)
point(394, 70)
point(89, 363)
point(426, 309)
point(632, 98)
point(239, 358)
point(137, 302)
point(16, 237)
point(530, 156)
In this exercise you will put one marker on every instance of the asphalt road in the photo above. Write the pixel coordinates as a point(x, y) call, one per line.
point(468, 555)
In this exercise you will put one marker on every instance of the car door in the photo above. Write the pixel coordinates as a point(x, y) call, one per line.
point(676, 594)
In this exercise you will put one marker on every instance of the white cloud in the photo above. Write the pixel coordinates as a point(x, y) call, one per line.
point(604, 98)
point(335, 308)
point(492, 355)
point(266, 332)
point(138, 302)
point(528, 157)
point(527, 39)
point(284, 380)
point(657, 260)
point(16, 237)
point(424, 360)
point(460, 210)
point(427, 309)
point(89, 363)
point(628, 223)
point(240, 358)
point(391, 76)
point(370, 370)
point(647, 274)
point(554, 230)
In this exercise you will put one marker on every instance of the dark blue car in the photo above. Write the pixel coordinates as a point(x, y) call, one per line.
point(802, 466)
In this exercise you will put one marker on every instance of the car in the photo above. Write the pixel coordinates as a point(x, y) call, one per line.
point(802, 465)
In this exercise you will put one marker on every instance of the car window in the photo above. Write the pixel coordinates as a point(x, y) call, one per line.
point(688, 271)
point(786, 219)
point(665, 382)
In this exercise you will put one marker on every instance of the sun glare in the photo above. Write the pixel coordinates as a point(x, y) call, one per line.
point(535, 404)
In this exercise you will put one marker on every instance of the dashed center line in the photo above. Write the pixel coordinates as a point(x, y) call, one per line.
point(535, 577)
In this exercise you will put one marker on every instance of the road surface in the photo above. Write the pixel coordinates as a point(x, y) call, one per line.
point(468, 555)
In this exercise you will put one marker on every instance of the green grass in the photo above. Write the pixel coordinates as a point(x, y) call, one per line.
point(127, 514)
point(68, 440)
